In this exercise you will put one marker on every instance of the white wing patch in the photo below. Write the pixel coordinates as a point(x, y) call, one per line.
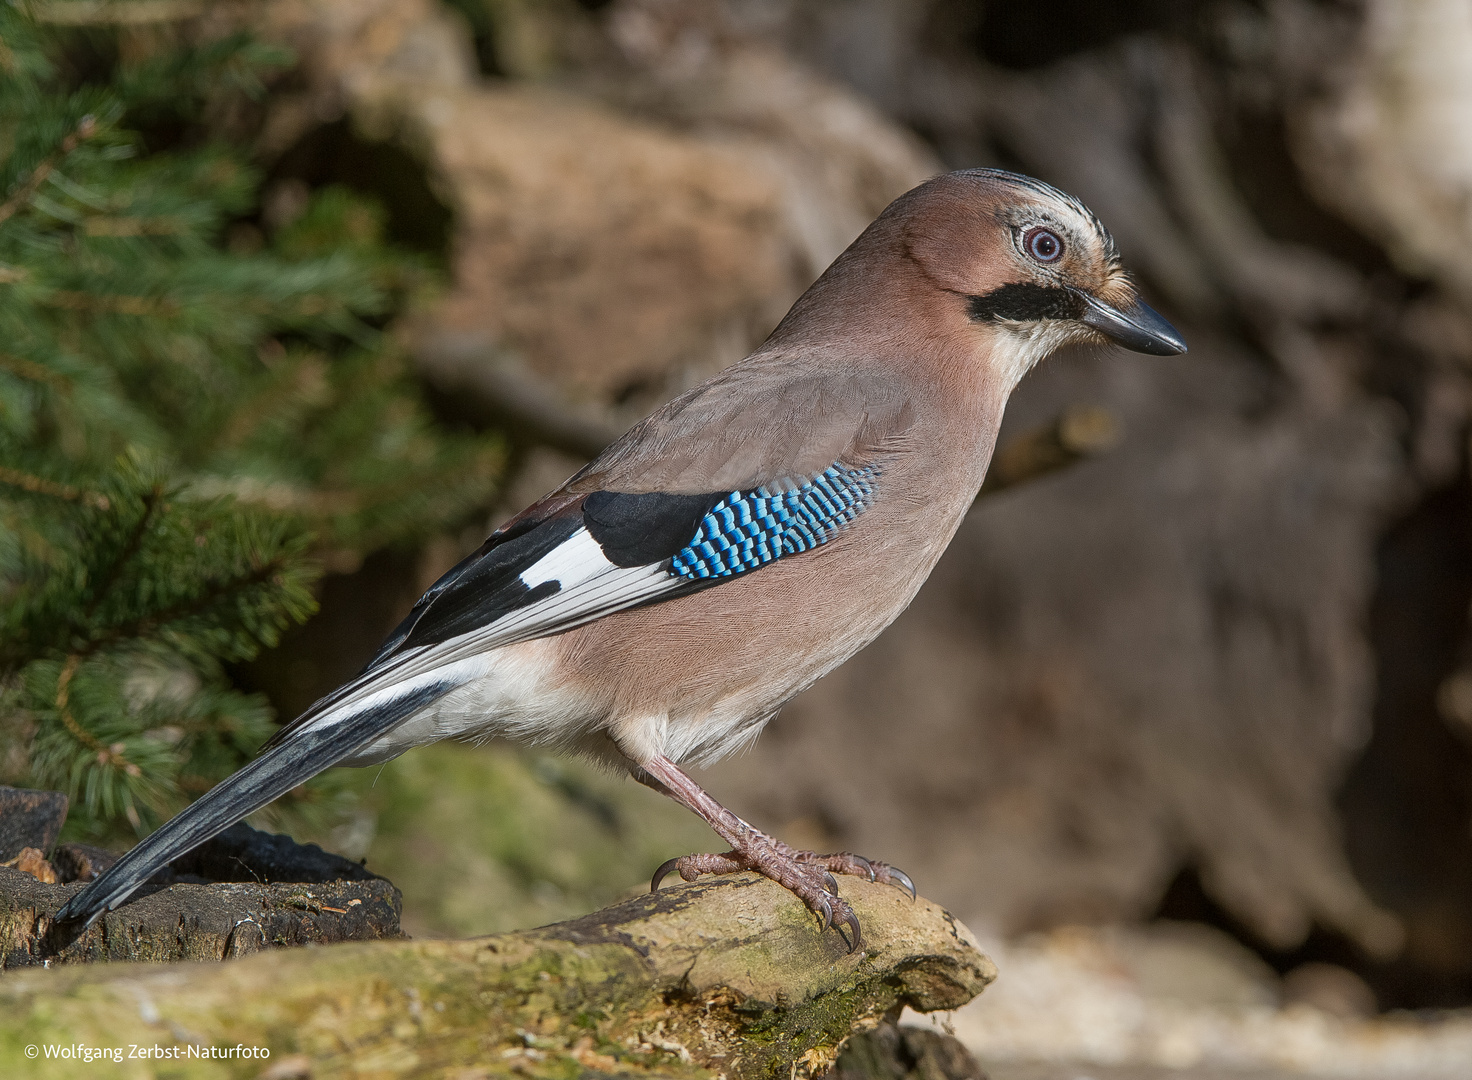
point(590, 587)
point(577, 559)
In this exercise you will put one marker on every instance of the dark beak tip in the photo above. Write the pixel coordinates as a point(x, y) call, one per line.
point(1139, 327)
point(1167, 347)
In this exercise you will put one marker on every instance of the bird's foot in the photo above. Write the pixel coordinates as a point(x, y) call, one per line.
point(846, 862)
point(806, 874)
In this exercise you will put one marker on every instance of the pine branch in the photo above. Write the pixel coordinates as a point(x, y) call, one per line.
point(114, 304)
point(135, 226)
point(317, 503)
point(158, 621)
point(38, 485)
point(144, 372)
point(106, 755)
point(130, 549)
point(33, 372)
point(84, 130)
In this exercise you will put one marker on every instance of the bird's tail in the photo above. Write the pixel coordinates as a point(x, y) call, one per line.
point(279, 769)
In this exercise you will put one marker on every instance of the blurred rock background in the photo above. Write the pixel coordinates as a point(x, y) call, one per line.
point(1219, 675)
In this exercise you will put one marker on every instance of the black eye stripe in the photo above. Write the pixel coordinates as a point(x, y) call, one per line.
point(1024, 301)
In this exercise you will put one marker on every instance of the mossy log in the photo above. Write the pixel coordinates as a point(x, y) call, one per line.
point(727, 977)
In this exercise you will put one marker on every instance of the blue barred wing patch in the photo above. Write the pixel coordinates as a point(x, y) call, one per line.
point(747, 529)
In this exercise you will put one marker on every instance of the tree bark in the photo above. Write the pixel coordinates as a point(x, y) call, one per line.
point(728, 977)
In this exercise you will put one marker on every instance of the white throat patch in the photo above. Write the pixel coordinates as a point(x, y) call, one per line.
point(1018, 346)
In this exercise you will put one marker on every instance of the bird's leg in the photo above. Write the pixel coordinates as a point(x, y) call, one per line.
point(806, 874)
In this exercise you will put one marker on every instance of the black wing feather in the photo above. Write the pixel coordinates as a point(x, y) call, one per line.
point(486, 583)
point(484, 587)
point(632, 530)
point(479, 589)
point(644, 529)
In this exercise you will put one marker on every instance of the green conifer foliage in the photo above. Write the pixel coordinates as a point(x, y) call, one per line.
point(193, 419)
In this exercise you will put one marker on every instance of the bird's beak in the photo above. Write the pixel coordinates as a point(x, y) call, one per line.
point(1138, 327)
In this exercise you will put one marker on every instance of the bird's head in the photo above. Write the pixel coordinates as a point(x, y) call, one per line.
point(1028, 266)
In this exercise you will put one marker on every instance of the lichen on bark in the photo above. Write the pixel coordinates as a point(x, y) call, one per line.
point(722, 978)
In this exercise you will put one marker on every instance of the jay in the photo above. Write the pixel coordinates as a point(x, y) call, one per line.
point(665, 602)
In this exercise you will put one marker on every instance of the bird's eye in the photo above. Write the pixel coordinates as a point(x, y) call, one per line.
point(1043, 245)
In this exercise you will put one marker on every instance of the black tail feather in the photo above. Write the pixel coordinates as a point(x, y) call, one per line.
point(268, 777)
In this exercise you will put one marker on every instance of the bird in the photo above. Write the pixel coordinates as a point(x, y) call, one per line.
point(664, 603)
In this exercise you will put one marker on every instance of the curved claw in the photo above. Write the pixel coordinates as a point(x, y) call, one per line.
point(900, 880)
point(660, 874)
point(825, 915)
point(852, 920)
point(830, 882)
point(866, 864)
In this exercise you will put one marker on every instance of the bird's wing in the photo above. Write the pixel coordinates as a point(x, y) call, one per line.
point(709, 488)
point(765, 421)
point(752, 466)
